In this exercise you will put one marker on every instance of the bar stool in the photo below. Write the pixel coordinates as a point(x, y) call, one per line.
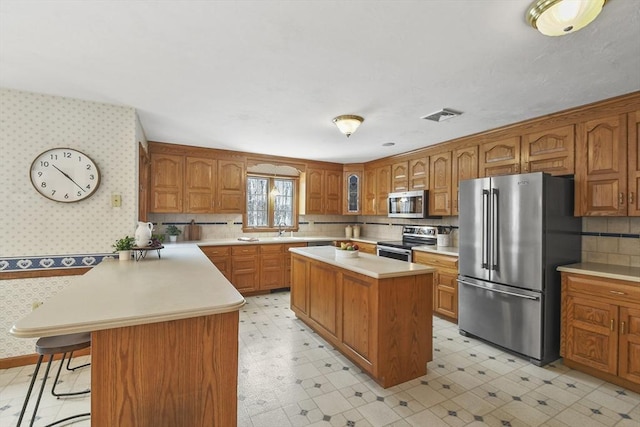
point(59, 344)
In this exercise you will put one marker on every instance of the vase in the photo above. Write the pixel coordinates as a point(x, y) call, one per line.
point(124, 255)
point(143, 234)
point(173, 238)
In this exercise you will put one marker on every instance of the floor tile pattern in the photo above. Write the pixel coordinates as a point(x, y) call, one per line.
point(288, 376)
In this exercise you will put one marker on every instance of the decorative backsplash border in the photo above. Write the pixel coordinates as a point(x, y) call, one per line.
point(14, 264)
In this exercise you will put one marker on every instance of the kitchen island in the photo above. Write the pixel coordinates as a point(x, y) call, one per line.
point(164, 339)
point(377, 311)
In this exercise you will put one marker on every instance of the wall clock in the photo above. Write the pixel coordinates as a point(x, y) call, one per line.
point(65, 175)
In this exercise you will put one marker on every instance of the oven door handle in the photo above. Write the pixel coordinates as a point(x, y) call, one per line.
point(394, 250)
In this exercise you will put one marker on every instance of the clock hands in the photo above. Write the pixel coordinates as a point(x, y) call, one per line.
point(68, 177)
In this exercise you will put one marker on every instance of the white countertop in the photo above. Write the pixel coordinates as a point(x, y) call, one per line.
point(609, 271)
point(369, 265)
point(183, 284)
point(442, 250)
point(260, 240)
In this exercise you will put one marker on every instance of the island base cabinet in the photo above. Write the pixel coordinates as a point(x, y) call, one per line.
point(175, 373)
point(383, 325)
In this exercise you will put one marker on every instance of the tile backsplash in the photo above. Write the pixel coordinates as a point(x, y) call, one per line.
point(614, 240)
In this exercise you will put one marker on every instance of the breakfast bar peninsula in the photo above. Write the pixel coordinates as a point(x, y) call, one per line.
point(164, 339)
point(377, 311)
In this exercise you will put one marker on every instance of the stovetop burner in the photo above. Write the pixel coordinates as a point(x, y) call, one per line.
point(414, 235)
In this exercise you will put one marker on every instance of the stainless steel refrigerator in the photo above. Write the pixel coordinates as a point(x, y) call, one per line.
point(514, 231)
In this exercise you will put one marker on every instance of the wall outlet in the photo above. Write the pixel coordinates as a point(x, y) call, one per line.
point(116, 200)
point(35, 305)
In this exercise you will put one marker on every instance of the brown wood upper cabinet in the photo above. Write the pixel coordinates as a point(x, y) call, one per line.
point(193, 184)
point(167, 183)
point(465, 166)
point(383, 188)
point(550, 151)
point(601, 166)
point(400, 176)
point(369, 206)
point(501, 157)
point(634, 165)
point(323, 191)
point(440, 184)
point(419, 173)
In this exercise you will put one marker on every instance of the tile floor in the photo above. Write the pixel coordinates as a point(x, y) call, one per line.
point(288, 376)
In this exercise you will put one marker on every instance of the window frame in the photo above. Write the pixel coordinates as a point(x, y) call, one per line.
point(271, 205)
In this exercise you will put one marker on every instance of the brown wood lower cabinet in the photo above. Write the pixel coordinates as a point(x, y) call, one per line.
point(254, 268)
point(382, 325)
point(601, 328)
point(445, 282)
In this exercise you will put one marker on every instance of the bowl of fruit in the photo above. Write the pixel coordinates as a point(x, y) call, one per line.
point(347, 250)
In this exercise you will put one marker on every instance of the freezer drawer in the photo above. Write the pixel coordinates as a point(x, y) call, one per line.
point(503, 315)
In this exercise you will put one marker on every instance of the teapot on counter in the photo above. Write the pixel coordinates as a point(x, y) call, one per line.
point(143, 234)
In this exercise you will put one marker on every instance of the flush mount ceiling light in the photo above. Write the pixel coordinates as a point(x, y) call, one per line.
point(348, 123)
point(560, 17)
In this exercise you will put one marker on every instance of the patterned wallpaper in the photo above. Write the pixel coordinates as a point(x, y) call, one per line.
point(36, 228)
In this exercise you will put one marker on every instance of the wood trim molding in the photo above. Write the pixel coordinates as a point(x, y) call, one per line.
point(32, 359)
point(44, 273)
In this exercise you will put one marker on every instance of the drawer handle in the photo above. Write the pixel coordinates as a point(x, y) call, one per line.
point(611, 326)
point(621, 199)
point(622, 328)
point(631, 198)
point(617, 293)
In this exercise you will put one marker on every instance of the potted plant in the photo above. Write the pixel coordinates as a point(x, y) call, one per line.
point(173, 232)
point(124, 246)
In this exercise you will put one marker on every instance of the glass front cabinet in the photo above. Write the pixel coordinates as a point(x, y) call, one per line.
point(353, 184)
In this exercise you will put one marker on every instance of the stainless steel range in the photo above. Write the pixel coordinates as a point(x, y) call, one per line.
point(412, 235)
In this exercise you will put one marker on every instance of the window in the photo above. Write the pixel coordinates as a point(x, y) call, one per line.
point(271, 203)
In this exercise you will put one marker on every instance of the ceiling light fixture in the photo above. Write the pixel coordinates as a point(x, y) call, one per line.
point(560, 17)
point(348, 123)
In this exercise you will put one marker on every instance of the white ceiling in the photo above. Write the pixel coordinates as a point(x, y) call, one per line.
point(269, 76)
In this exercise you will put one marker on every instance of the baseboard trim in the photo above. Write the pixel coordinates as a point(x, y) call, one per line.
point(32, 359)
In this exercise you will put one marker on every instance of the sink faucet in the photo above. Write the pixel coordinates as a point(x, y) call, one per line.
point(281, 229)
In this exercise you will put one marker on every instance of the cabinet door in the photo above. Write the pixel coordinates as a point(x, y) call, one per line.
point(231, 187)
point(286, 261)
point(400, 176)
point(634, 164)
point(314, 191)
point(323, 296)
point(601, 167)
point(332, 192)
point(353, 195)
point(199, 185)
point(629, 361)
point(166, 183)
point(144, 180)
point(383, 187)
point(369, 206)
point(446, 293)
point(550, 151)
point(244, 268)
point(419, 174)
point(271, 271)
point(500, 157)
point(465, 166)
point(299, 284)
point(591, 333)
point(440, 184)
point(358, 317)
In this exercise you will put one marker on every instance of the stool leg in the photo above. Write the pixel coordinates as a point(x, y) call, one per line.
point(75, 367)
point(44, 381)
point(26, 399)
point(55, 383)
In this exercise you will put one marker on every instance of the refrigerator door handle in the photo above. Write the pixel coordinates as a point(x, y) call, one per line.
point(514, 294)
point(494, 229)
point(485, 227)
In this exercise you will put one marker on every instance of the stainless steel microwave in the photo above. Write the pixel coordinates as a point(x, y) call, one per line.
point(408, 204)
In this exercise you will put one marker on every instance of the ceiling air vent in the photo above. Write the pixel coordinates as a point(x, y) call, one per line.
point(442, 115)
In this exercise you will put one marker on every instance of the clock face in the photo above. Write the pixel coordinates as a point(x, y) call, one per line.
point(65, 175)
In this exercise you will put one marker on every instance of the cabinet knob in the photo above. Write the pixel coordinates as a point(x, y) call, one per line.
point(516, 168)
point(621, 199)
point(631, 197)
point(611, 325)
point(622, 328)
point(617, 292)
point(526, 166)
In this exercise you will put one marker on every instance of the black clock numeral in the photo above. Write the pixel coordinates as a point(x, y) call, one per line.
point(88, 187)
point(66, 196)
point(44, 163)
point(79, 193)
point(43, 184)
point(66, 155)
point(53, 156)
point(88, 167)
point(53, 192)
point(92, 176)
point(39, 174)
